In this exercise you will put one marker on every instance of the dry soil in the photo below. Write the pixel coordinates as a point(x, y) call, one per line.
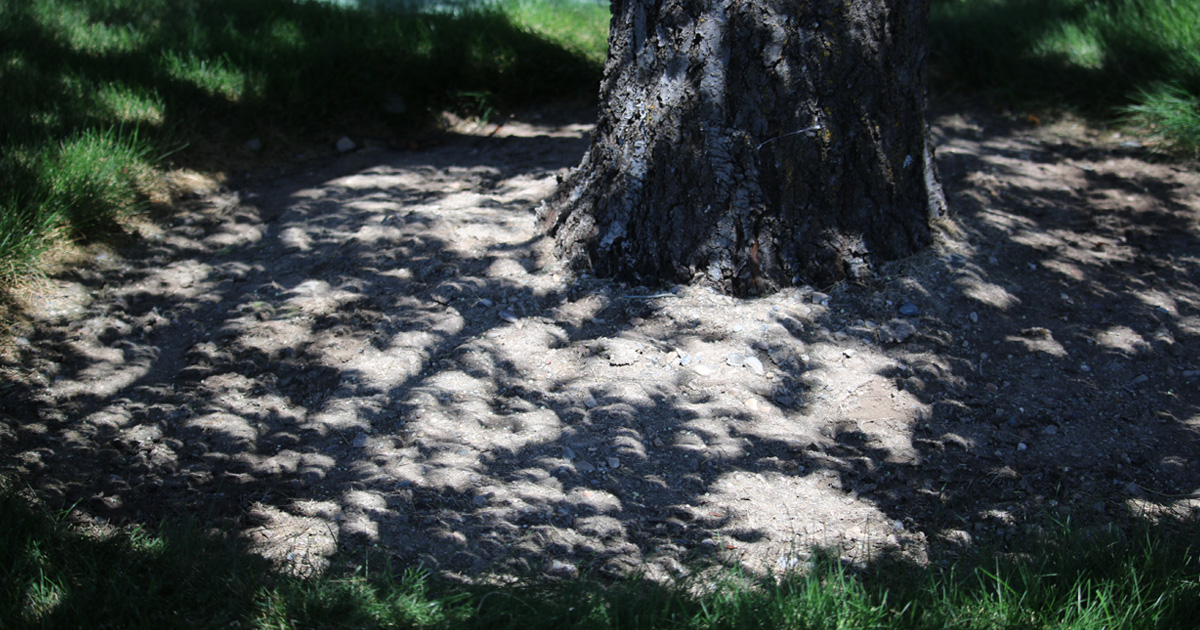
point(380, 351)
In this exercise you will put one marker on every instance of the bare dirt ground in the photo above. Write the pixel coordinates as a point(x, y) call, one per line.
point(380, 352)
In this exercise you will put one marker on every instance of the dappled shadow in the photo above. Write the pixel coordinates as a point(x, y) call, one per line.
point(382, 353)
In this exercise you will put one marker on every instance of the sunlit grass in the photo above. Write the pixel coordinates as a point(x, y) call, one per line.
point(1121, 59)
point(213, 76)
point(581, 26)
point(1170, 113)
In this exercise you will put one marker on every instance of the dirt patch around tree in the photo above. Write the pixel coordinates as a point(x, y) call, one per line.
point(381, 352)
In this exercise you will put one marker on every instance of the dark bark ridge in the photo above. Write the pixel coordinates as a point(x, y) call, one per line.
point(754, 144)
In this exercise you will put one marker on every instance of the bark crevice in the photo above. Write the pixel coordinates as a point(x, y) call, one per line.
point(754, 145)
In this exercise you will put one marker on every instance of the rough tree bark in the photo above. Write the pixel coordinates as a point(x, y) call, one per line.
point(754, 144)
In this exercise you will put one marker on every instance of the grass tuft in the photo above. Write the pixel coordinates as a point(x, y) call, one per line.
point(59, 574)
point(93, 91)
point(1135, 60)
point(1171, 114)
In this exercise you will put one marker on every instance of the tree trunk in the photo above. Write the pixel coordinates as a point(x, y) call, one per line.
point(754, 144)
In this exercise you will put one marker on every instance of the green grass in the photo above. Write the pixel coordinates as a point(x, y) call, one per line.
point(1132, 60)
point(58, 575)
point(580, 26)
point(94, 92)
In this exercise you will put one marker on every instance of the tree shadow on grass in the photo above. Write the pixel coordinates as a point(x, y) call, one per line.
point(59, 576)
point(1090, 59)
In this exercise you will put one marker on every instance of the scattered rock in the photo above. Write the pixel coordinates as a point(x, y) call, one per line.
point(562, 569)
point(613, 462)
point(908, 309)
point(345, 145)
point(897, 331)
point(788, 358)
point(253, 145)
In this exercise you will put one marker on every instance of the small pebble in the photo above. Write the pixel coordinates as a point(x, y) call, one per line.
point(908, 309)
point(562, 569)
point(345, 145)
point(897, 331)
point(754, 364)
point(613, 462)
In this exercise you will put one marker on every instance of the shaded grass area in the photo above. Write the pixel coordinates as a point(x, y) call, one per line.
point(95, 93)
point(62, 575)
point(1131, 60)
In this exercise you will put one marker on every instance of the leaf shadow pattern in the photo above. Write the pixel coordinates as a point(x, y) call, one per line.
point(390, 360)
